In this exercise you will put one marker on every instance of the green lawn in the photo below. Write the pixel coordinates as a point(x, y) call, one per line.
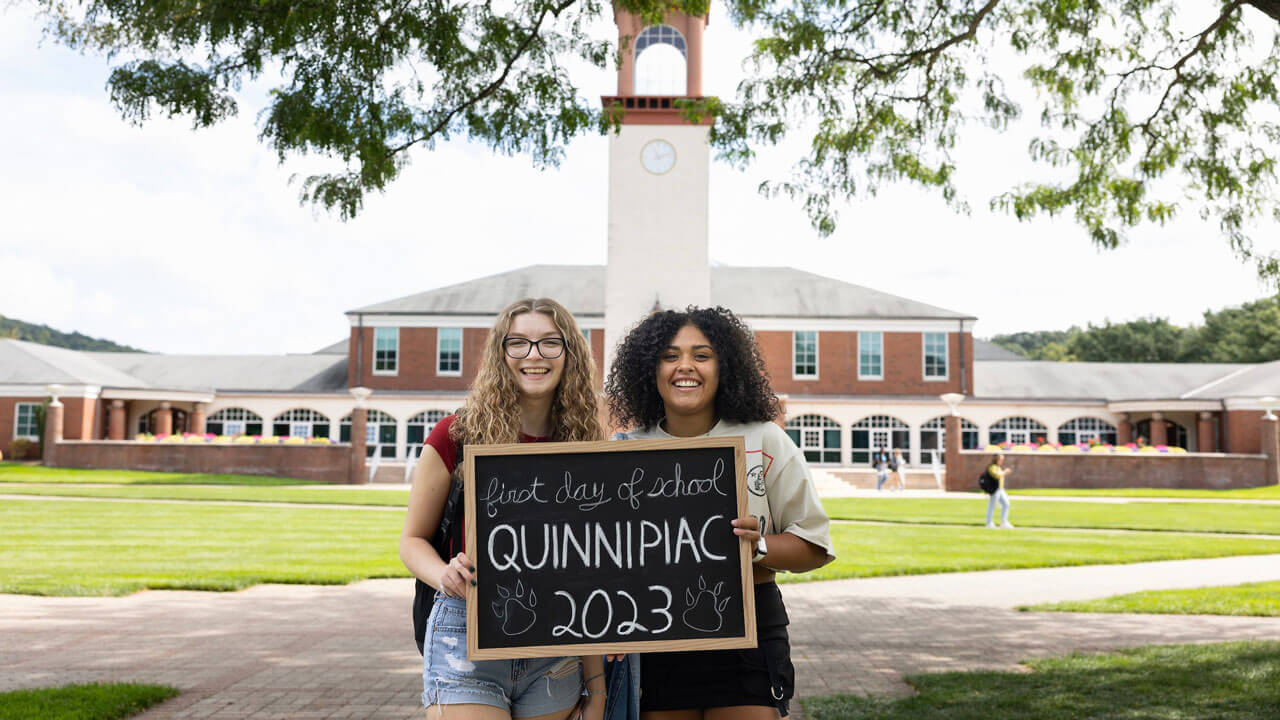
point(1269, 492)
point(51, 547)
point(16, 473)
point(1187, 517)
point(342, 495)
point(82, 702)
point(1229, 681)
point(1261, 599)
point(866, 550)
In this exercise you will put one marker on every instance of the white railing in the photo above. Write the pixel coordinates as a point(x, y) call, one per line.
point(377, 459)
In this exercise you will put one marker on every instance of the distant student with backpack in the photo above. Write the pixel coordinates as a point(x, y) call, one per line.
point(880, 461)
point(995, 477)
point(535, 384)
point(900, 469)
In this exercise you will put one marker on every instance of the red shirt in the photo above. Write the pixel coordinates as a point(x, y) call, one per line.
point(448, 450)
point(447, 447)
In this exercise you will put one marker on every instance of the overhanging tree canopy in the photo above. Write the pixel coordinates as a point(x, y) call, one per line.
point(1148, 107)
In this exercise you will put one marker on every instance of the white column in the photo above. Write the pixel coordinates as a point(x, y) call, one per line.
point(916, 457)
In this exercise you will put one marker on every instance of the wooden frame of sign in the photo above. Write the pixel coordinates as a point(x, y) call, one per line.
point(614, 583)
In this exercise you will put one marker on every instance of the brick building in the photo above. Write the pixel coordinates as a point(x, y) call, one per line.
point(857, 369)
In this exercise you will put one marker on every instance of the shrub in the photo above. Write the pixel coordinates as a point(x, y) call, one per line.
point(23, 449)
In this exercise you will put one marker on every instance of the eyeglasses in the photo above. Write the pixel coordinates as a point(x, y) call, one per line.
point(518, 348)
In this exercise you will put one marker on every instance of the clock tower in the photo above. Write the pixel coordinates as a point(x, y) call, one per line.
point(658, 176)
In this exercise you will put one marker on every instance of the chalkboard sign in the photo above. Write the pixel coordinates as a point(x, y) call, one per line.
point(607, 547)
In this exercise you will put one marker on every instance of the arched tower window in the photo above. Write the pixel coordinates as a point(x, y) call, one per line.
point(661, 58)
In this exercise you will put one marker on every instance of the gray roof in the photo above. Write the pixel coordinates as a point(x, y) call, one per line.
point(748, 291)
point(268, 373)
point(989, 351)
point(338, 348)
point(28, 363)
point(1041, 380)
point(1247, 381)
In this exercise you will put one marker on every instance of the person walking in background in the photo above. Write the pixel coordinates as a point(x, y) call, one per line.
point(900, 469)
point(998, 471)
point(880, 461)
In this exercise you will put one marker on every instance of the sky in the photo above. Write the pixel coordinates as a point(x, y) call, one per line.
point(182, 241)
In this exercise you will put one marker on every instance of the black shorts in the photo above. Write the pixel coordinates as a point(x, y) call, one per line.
point(762, 675)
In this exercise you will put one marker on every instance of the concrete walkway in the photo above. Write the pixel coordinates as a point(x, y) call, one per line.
point(280, 651)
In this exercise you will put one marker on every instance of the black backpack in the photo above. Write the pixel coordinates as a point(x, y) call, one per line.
point(987, 483)
point(447, 537)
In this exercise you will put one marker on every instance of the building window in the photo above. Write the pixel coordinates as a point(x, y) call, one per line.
point(1086, 429)
point(935, 356)
point(1019, 431)
point(1175, 435)
point(817, 436)
point(449, 351)
point(25, 426)
point(300, 422)
point(234, 421)
point(379, 432)
point(660, 62)
point(870, 356)
point(933, 437)
point(386, 350)
point(804, 354)
point(419, 427)
point(876, 432)
point(586, 335)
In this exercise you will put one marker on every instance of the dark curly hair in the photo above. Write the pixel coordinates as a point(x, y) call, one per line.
point(743, 394)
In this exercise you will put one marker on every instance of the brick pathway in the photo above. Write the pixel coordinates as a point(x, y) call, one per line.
point(345, 651)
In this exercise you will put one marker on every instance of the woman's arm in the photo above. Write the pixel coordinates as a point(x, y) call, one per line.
point(593, 683)
point(431, 484)
point(785, 551)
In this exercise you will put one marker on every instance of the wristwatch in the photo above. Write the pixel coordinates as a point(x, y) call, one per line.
point(762, 549)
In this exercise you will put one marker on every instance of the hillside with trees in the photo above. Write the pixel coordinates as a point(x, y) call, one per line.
point(1246, 334)
point(45, 335)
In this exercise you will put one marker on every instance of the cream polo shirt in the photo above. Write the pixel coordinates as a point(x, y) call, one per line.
point(780, 492)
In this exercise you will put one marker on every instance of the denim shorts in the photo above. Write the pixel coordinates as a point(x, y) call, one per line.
point(529, 687)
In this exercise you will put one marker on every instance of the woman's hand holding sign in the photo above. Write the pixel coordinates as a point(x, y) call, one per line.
point(457, 574)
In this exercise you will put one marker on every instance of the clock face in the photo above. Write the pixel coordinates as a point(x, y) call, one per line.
point(658, 156)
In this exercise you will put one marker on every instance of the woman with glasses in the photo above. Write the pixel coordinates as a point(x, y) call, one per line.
point(699, 373)
point(535, 384)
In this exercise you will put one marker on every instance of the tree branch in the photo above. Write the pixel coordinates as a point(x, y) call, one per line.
point(492, 87)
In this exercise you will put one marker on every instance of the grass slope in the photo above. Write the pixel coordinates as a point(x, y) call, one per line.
point(1257, 599)
point(50, 547)
point(1229, 681)
point(1186, 517)
point(17, 473)
point(342, 495)
point(82, 702)
point(867, 551)
point(1268, 492)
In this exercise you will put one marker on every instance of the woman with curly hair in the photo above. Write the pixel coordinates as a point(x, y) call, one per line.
point(535, 384)
point(699, 373)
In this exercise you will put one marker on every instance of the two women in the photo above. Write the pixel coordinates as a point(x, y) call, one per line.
point(677, 374)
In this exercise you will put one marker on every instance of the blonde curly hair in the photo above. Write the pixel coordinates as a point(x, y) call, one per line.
point(491, 414)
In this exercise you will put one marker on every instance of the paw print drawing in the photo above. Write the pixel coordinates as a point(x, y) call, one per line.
point(515, 609)
point(704, 609)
